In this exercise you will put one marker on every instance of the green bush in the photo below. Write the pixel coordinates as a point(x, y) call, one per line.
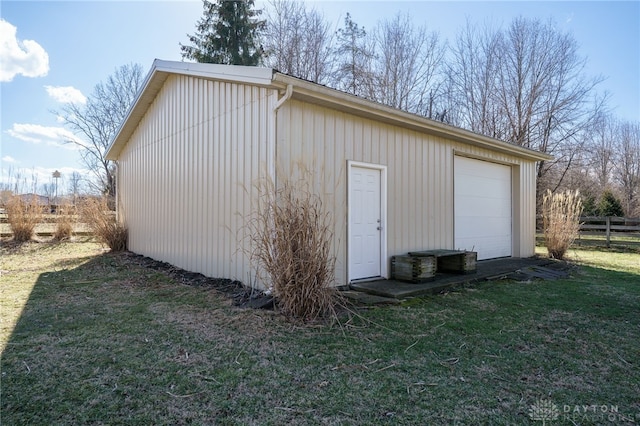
point(589, 205)
point(609, 205)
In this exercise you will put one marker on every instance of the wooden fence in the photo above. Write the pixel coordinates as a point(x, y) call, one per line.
point(593, 230)
point(607, 231)
point(618, 229)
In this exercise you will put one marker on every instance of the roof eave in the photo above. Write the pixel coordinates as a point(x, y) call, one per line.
point(305, 91)
point(150, 88)
point(314, 93)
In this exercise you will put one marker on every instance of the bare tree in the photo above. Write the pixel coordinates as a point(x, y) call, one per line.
point(542, 87)
point(544, 93)
point(627, 170)
point(353, 55)
point(10, 184)
point(526, 85)
point(298, 41)
point(407, 62)
point(97, 121)
point(318, 48)
point(282, 35)
point(601, 147)
point(472, 70)
point(49, 191)
point(16, 182)
point(74, 186)
point(33, 181)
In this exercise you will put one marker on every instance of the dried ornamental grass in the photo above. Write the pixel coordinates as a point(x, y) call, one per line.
point(561, 220)
point(64, 223)
point(103, 223)
point(291, 239)
point(23, 216)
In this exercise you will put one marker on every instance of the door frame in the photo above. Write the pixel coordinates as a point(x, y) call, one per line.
point(384, 267)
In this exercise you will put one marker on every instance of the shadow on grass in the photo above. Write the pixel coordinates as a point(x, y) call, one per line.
point(106, 339)
point(80, 349)
point(11, 245)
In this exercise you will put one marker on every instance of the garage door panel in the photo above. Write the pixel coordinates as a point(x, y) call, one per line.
point(484, 186)
point(483, 210)
point(469, 229)
point(490, 246)
point(478, 207)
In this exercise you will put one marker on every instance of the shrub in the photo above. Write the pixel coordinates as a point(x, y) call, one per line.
point(291, 239)
point(64, 223)
point(103, 223)
point(589, 206)
point(560, 215)
point(23, 216)
point(609, 205)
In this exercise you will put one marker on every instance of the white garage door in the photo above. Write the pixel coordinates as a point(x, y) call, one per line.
point(482, 207)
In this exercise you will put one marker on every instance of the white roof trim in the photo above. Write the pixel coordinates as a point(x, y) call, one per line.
point(236, 73)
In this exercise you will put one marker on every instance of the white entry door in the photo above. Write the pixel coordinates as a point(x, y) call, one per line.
point(482, 200)
point(365, 222)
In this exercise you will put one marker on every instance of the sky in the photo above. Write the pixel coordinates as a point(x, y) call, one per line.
point(54, 52)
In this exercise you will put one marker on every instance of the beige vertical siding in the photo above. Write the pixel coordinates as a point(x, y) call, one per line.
point(186, 175)
point(419, 176)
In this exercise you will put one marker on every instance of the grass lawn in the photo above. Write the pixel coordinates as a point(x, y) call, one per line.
point(89, 337)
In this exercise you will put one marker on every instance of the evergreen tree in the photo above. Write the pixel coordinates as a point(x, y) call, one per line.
point(589, 207)
point(354, 57)
point(610, 205)
point(227, 33)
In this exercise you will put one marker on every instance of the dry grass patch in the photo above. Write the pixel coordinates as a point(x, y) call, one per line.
point(560, 215)
point(65, 219)
point(23, 216)
point(292, 241)
point(104, 224)
point(22, 265)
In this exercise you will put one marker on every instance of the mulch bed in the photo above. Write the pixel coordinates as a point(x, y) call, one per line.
point(240, 294)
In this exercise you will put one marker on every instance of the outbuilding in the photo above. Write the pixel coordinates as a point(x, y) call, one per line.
point(199, 138)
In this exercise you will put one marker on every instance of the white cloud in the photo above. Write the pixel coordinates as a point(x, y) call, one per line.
point(9, 159)
point(35, 133)
point(66, 94)
point(20, 57)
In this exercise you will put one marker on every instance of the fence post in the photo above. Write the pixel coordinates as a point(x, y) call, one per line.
point(608, 232)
